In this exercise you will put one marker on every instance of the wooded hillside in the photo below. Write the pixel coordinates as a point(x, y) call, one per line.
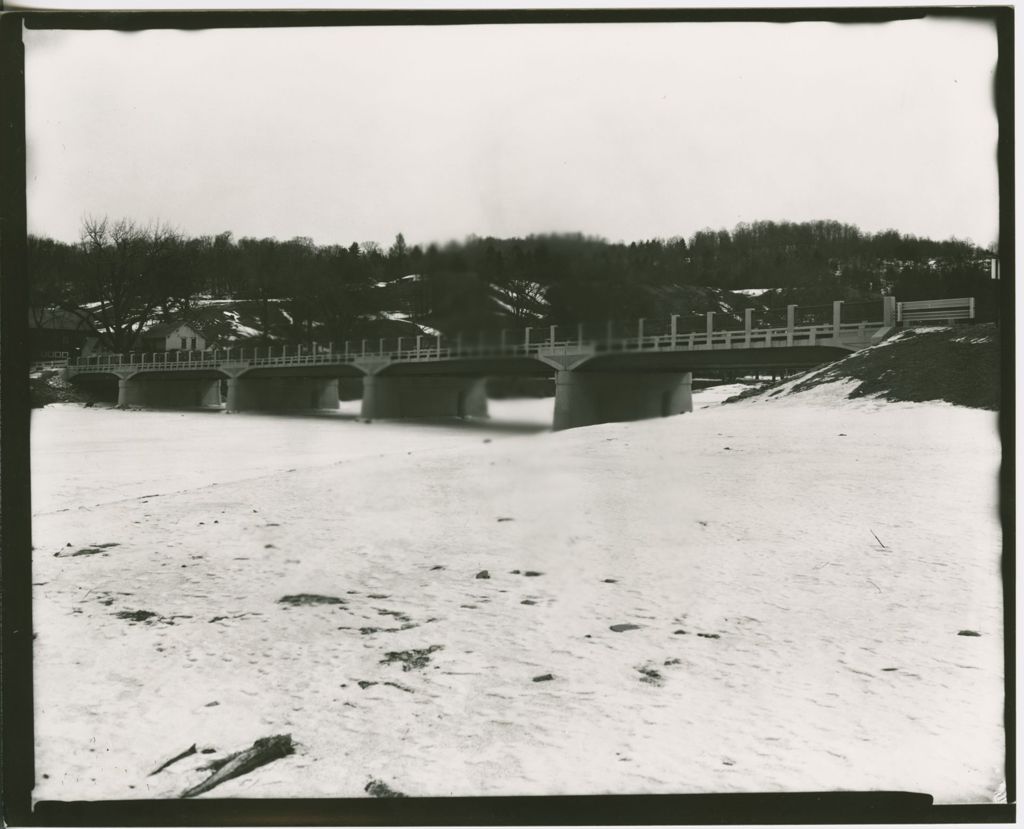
point(125, 276)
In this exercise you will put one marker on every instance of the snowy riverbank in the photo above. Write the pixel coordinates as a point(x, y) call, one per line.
point(777, 645)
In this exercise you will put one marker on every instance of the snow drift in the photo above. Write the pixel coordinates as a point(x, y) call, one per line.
point(957, 365)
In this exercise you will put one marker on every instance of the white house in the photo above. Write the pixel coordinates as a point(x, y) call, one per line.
point(173, 336)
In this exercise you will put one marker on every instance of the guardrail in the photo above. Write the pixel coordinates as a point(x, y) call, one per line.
point(935, 310)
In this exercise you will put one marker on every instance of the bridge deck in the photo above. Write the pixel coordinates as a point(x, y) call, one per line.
point(567, 353)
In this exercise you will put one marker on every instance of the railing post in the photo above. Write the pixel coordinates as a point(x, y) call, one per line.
point(364, 348)
point(690, 343)
point(790, 323)
point(837, 317)
point(438, 345)
point(400, 346)
point(419, 340)
point(888, 311)
point(526, 338)
point(640, 334)
point(972, 307)
point(551, 334)
point(710, 325)
point(346, 350)
point(579, 335)
point(675, 328)
point(748, 326)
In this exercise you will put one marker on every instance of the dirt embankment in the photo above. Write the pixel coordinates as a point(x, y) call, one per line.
point(46, 387)
point(959, 365)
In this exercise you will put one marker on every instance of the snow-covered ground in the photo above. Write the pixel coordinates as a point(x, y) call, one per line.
point(778, 646)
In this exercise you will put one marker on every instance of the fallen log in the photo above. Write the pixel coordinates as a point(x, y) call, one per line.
point(188, 752)
point(263, 751)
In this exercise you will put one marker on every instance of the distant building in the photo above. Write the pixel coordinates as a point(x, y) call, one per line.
point(173, 336)
point(53, 330)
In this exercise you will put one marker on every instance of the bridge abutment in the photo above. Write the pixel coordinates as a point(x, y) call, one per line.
point(281, 393)
point(177, 393)
point(400, 397)
point(585, 398)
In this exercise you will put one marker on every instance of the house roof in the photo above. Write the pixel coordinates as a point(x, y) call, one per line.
point(162, 329)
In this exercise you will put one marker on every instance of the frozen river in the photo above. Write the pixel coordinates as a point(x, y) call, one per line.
point(97, 455)
point(692, 604)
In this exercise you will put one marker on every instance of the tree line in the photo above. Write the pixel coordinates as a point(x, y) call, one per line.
point(122, 275)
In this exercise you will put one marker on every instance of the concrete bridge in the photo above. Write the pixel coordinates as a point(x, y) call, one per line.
point(598, 379)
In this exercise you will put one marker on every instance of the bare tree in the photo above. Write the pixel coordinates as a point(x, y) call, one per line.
point(132, 274)
point(523, 297)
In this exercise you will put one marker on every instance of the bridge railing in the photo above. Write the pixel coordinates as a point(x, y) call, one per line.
point(796, 326)
point(742, 338)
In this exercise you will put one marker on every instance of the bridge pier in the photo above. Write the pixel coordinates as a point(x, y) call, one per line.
point(585, 398)
point(399, 397)
point(176, 393)
point(281, 393)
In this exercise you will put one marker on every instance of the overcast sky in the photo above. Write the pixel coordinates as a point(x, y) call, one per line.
point(624, 131)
